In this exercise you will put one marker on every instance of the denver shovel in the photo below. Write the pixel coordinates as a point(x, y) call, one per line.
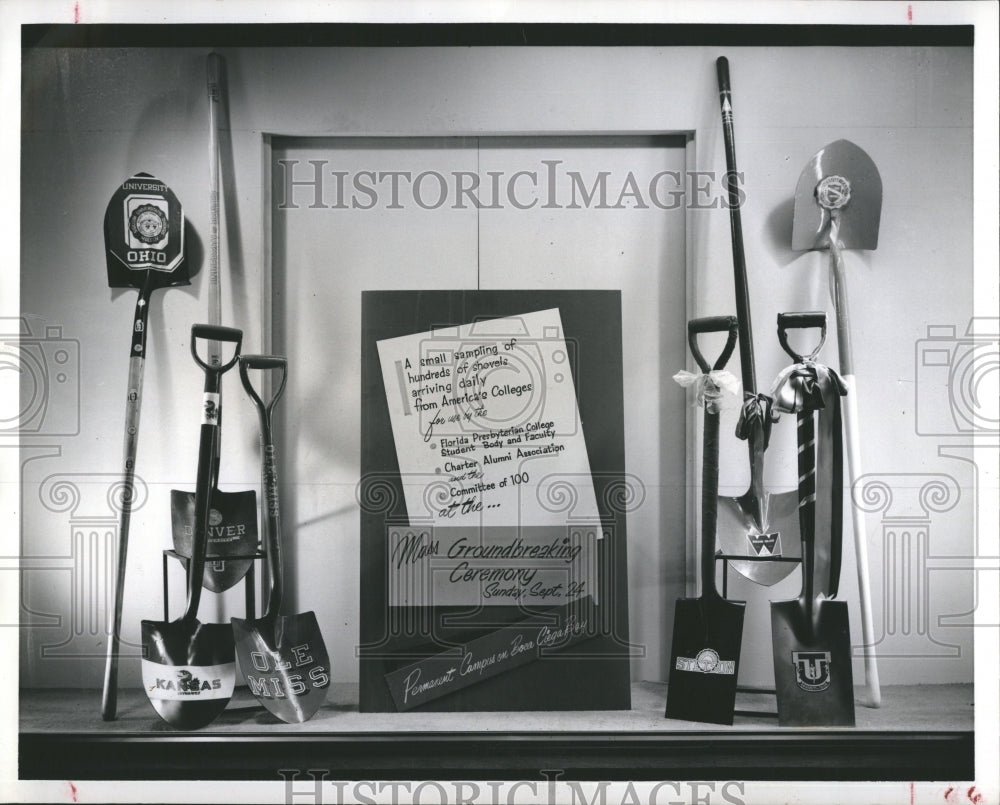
point(753, 524)
point(838, 205)
point(233, 516)
point(283, 657)
point(189, 668)
point(811, 637)
point(708, 631)
point(144, 248)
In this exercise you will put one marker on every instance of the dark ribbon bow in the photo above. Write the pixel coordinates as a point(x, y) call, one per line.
point(755, 413)
point(806, 386)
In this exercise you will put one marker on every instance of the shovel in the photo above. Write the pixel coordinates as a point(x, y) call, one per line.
point(233, 516)
point(283, 657)
point(144, 248)
point(708, 631)
point(838, 204)
point(189, 669)
point(811, 636)
point(754, 524)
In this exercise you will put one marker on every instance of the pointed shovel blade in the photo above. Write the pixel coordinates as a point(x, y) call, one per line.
point(813, 678)
point(740, 535)
point(232, 531)
point(189, 670)
point(849, 175)
point(285, 662)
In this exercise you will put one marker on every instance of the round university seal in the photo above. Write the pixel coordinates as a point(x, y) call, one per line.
point(148, 223)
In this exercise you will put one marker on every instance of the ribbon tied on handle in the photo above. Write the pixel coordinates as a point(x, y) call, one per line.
point(756, 409)
point(717, 389)
point(806, 386)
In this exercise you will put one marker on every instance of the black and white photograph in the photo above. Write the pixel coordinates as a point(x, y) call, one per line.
point(523, 402)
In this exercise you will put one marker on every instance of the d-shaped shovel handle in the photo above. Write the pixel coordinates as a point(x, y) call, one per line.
point(263, 362)
point(814, 319)
point(713, 324)
point(214, 332)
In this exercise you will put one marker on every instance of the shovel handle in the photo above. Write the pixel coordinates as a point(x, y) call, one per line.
point(801, 321)
point(713, 324)
point(214, 332)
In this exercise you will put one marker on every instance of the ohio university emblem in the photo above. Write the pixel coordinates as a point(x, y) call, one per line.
point(812, 670)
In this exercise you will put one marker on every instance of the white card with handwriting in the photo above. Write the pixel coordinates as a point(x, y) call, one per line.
point(486, 424)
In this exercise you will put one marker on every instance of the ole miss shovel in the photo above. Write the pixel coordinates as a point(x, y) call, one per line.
point(811, 636)
point(755, 524)
point(838, 205)
point(233, 515)
point(189, 668)
point(283, 657)
point(144, 248)
point(708, 631)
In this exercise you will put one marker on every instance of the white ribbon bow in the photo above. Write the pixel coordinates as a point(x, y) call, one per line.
point(719, 388)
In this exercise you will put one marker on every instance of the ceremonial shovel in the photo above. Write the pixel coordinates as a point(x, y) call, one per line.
point(190, 667)
point(838, 204)
point(755, 524)
point(811, 636)
point(144, 248)
point(233, 515)
point(708, 631)
point(284, 657)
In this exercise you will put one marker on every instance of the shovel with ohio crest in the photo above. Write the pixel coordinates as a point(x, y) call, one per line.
point(708, 631)
point(189, 667)
point(283, 657)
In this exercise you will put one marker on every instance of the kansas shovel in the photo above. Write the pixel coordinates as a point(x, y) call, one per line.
point(233, 516)
point(708, 631)
point(283, 657)
point(189, 668)
point(144, 248)
point(811, 636)
point(754, 524)
point(838, 205)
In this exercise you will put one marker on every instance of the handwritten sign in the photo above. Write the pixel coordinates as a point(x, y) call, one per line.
point(486, 425)
point(495, 653)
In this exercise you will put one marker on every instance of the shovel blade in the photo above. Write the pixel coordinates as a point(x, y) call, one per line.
point(813, 678)
point(232, 531)
point(285, 662)
point(188, 670)
point(859, 217)
point(144, 235)
point(705, 659)
point(738, 534)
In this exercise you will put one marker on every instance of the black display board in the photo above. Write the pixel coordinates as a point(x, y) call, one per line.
point(590, 670)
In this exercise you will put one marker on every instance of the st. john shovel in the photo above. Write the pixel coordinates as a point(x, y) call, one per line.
point(283, 657)
point(708, 631)
point(189, 668)
point(755, 524)
point(838, 205)
point(811, 637)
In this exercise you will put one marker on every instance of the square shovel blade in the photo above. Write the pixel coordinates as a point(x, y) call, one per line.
point(813, 678)
point(705, 659)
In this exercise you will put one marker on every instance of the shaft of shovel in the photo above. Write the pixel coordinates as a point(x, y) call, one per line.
point(807, 505)
point(269, 469)
point(852, 437)
point(133, 409)
point(214, 70)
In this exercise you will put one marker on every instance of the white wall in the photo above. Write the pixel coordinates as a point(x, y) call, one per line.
point(93, 117)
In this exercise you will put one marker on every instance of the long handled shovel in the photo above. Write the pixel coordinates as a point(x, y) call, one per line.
point(144, 248)
point(190, 667)
point(233, 523)
point(811, 636)
point(838, 204)
point(283, 657)
point(708, 631)
point(753, 524)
